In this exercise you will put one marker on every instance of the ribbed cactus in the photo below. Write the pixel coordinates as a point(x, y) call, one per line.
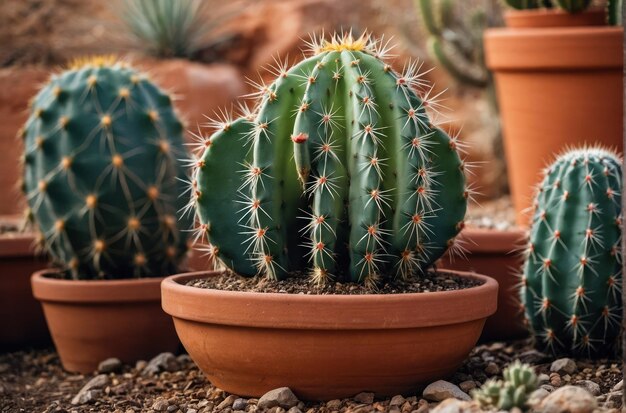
point(571, 284)
point(519, 382)
point(339, 172)
point(101, 172)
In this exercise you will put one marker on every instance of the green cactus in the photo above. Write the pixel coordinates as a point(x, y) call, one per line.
point(523, 4)
point(519, 382)
point(455, 39)
point(571, 285)
point(343, 172)
point(101, 172)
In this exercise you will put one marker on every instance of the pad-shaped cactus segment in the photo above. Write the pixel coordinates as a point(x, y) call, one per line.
point(572, 276)
point(101, 172)
point(219, 196)
point(343, 142)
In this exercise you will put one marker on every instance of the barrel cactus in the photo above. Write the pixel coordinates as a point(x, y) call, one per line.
point(339, 172)
point(571, 287)
point(102, 172)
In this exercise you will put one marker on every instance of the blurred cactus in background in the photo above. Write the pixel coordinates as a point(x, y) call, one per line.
point(172, 28)
point(102, 173)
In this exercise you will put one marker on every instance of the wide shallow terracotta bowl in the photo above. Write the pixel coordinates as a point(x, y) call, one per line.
point(326, 346)
point(93, 320)
point(22, 323)
point(496, 254)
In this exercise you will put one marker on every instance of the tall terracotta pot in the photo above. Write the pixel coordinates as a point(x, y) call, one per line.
point(93, 320)
point(559, 84)
point(22, 323)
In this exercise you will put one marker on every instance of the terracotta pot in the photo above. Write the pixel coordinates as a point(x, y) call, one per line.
point(496, 254)
point(17, 87)
point(557, 87)
point(326, 346)
point(93, 320)
point(22, 323)
point(199, 90)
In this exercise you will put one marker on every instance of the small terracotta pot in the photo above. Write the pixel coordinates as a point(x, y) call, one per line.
point(557, 87)
point(326, 346)
point(496, 254)
point(22, 323)
point(93, 320)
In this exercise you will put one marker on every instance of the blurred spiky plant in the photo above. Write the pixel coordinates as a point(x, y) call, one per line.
point(169, 28)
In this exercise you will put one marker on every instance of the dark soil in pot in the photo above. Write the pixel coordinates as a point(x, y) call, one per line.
point(301, 284)
point(34, 381)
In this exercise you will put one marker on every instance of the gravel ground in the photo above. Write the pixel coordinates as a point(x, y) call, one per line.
point(496, 214)
point(34, 382)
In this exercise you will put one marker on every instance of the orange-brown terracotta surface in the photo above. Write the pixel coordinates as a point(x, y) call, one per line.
point(17, 88)
point(557, 87)
point(553, 18)
point(496, 254)
point(93, 320)
point(326, 346)
point(22, 323)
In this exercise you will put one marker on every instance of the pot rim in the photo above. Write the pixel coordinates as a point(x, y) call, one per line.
point(494, 241)
point(17, 245)
point(94, 291)
point(532, 49)
point(534, 18)
point(328, 312)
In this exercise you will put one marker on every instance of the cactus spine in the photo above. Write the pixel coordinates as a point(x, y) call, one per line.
point(343, 172)
point(101, 173)
point(519, 382)
point(571, 285)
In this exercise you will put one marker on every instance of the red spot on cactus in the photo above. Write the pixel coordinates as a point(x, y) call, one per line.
point(300, 138)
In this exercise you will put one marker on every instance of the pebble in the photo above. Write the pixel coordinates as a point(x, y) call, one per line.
point(91, 391)
point(555, 379)
point(456, 406)
point(227, 402)
point(110, 365)
point(441, 390)
point(537, 396)
point(467, 385)
point(282, 397)
point(294, 409)
point(397, 400)
point(569, 399)
point(160, 363)
point(4, 367)
point(618, 386)
point(240, 404)
point(590, 386)
point(543, 378)
point(333, 404)
point(563, 366)
point(492, 369)
point(160, 405)
point(364, 398)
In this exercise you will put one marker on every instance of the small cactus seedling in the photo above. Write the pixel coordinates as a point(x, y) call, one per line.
point(571, 284)
point(519, 381)
point(101, 172)
point(339, 171)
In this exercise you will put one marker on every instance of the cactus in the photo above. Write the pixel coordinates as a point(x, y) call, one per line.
point(571, 285)
point(455, 39)
point(167, 28)
point(339, 172)
point(101, 172)
point(519, 382)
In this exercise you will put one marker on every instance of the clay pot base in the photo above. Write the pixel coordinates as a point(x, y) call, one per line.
point(301, 283)
point(326, 346)
point(91, 321)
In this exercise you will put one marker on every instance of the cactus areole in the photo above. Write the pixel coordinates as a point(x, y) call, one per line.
point(571, 286)
point(339, 172)
point(101, 172)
